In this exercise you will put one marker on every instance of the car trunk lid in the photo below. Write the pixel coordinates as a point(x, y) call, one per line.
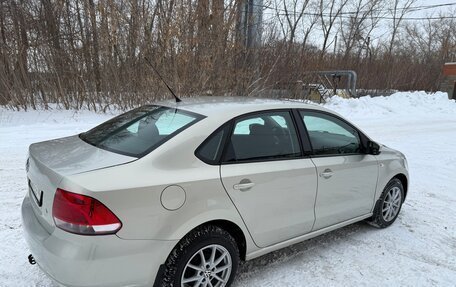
point(50, 161)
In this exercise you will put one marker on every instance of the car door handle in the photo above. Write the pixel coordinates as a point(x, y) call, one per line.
point(243, 186)
point(327, 173)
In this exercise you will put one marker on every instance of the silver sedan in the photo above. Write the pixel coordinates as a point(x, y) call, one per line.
point(177, 194)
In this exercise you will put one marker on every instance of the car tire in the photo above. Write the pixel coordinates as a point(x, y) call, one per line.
point(389, 205)
point(188, 255)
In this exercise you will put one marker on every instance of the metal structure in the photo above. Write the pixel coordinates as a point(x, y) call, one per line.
point(321, 85)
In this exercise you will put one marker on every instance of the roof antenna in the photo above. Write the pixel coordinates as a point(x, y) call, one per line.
point(155, 70)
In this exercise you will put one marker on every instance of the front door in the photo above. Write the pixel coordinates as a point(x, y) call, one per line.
point(271, 184)
point(347, 177)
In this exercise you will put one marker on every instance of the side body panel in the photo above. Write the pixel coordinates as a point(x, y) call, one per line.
point(134, 191)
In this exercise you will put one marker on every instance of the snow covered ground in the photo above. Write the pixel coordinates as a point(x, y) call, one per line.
point(418, 250)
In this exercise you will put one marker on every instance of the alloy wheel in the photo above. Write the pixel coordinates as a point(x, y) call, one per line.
point(210, 266)
point(391, 204)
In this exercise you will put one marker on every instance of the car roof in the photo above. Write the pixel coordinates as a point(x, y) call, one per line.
point(233, 106)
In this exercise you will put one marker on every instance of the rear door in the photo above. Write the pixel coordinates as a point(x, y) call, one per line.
point(266, 176)
point(347, 177)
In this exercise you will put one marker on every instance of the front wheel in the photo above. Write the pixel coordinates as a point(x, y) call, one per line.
point(208, 256)
point(388, 205)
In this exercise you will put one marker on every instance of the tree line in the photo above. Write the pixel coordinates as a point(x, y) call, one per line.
point(92, 52)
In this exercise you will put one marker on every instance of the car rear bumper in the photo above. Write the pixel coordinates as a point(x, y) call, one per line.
point(75, 260)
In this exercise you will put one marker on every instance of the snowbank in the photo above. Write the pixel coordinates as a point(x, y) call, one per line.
point(402, 104)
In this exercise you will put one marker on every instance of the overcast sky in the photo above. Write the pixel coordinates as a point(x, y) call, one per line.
point(426, 12)
point(382, 31)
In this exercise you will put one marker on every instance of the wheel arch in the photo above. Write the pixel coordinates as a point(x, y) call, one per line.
point(228, 226)
point(233, 229)
point(404, 180)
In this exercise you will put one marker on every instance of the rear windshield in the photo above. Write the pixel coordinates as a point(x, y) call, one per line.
point(141, 130)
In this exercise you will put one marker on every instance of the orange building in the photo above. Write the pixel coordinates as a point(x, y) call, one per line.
point(449, 80)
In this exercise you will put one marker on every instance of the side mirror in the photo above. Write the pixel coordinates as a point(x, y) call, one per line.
point(373, 148)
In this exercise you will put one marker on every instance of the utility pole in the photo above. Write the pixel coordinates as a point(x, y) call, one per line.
point(368, 47)
point(250, 22)
point(250, 17)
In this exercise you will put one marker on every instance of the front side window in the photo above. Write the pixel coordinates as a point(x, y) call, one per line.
point(329, 135)
point(137, 132)
point(268, 135)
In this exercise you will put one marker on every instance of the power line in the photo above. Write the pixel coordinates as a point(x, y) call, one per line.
point(409, 9)
point(374, 17)
point(343, 13)
point(425, 7)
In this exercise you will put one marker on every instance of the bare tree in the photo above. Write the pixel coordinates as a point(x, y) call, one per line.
point(329, 12)
point(293, 14)
point(91, 52)
point(399, 9)
point(357, 27)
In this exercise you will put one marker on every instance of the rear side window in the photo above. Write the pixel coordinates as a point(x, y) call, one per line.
point(211, 150)
point(139, 131)
point(263, 136)
point(330, 135)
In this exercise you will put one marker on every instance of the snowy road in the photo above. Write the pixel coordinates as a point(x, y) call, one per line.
point(418, 250)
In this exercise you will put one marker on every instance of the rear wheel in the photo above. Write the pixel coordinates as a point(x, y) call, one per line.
point(388, 205)
point(208, 256)
point(209, 266)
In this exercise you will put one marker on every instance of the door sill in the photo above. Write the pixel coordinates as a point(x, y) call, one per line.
point(301, 238)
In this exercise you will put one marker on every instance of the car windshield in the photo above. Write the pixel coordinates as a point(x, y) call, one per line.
point(141, 130)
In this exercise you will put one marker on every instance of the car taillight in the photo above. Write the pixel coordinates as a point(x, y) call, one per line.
point(82, 214)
